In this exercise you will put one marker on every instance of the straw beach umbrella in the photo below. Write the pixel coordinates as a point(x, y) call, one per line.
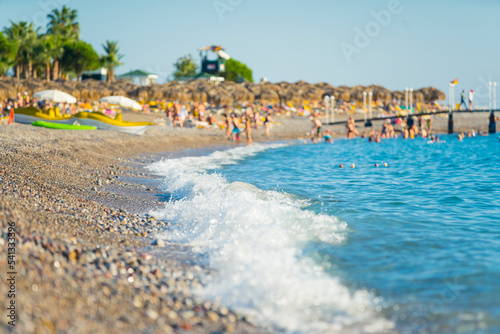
point(432, 94)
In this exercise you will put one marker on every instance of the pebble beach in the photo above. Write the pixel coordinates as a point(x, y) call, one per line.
point(87, 259)
point(85, 264)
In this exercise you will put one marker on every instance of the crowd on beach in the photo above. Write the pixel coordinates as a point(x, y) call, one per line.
point(409, 127)
point(235, 121)
point(25, 100)
point(240, 119)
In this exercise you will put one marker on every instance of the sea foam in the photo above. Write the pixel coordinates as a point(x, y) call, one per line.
point(254, 240)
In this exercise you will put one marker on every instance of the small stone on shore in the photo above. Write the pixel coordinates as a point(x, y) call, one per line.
point(158, 242)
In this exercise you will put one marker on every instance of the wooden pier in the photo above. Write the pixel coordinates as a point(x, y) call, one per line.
point(492, 125)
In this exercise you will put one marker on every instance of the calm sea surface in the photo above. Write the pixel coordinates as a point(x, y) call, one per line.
point(304, 246)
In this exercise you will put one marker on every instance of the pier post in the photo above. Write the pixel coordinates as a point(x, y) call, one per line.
point(450, 122)
point(493, 125)
point(332, 105)
point(327, 108)
point(369, 122)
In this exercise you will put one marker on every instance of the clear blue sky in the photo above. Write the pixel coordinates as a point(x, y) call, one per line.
point(422, 43)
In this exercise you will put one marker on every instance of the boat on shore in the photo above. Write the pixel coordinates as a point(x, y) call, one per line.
point(103, 122)
point(29, 115)
point(62, 126)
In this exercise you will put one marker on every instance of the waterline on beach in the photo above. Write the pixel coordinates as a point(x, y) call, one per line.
point(257, 243)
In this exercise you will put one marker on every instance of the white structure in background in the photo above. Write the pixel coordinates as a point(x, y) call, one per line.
point(216, 80)
point(370, 97)
point(364, 104)
point(406, 98)
point(490, 84)
point(494, 96)
point(494, 86)
point(141, 78)
point(100, 74)
point(327, 108)
point(411, 99)
point(452, 95)
point(332, 106)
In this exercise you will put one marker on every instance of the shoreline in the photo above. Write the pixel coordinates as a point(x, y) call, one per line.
point(85, 254)
point(84, 242)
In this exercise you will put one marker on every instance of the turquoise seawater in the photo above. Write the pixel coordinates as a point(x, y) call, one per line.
point(420, 238)
point(424, 233)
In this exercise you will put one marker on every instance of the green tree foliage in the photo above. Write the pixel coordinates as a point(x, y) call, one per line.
point(24, 35)
point(185, 67)
point(46, 47)
point(79, 56)
point(62, 23)
point(65, 29)
point(237, 71)
point(8, 52)
point(58, 50)
point(111, 59)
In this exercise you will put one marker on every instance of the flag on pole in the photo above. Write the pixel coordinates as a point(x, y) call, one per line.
point(454, 82)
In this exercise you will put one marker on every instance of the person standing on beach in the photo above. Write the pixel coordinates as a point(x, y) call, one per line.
point(26, 99)
point(20, 101)
point(267, 123)
point(177, 115)
point(183, 114)
point(429, 121)
point(248, 130)
point(228, 126)
point(471, 98)
point(236, 130)
point(462, 100)
point(201, 112)
point(256, 117)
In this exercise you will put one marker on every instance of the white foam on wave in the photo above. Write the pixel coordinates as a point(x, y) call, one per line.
point(254, 241)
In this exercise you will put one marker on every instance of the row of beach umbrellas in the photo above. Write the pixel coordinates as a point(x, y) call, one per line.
point(62, 97)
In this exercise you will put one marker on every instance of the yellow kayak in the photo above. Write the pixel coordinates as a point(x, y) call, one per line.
point(29, 115)
point(104, 122)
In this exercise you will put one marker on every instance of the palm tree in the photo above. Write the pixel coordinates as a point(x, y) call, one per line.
point(8, 52)
point(63, 24)
point(111, 59)
point(57, 54)
point(25, 35)
point(45, 48)
point(65, 29)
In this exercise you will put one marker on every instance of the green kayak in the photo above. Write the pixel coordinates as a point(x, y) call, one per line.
point(63, 126)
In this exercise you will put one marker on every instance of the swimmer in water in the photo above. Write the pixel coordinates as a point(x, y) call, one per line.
point(328, 137)
point(351, 128)
point(236, 130)
point(390, 129)
point(316, 129)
